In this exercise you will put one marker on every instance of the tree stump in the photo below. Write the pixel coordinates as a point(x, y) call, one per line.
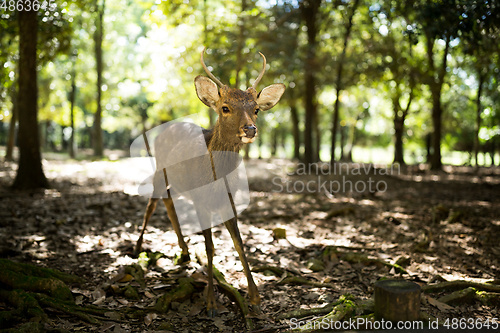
point(397, 300)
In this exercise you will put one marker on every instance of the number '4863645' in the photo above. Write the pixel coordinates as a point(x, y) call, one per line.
point(471, 323)
point(27, 5)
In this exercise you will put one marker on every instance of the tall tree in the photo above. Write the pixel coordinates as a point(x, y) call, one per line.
point(339, 72)
point(97, 141)
point(9, 85)
point(285, 25)
point(310, 11)
point(294, 113)
point(9, 152)
point(480, 31)
point(72, 95)
point(438, 20)
point(30, 172)
point(401, 65)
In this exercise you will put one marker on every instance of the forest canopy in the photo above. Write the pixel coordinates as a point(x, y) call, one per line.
point(368, 81)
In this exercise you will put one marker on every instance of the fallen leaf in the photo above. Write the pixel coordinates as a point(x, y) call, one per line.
point(123, 301)
point(79, 300)
point(440, 305)
point(148, 319)
point(112, 315)
point(126, 278)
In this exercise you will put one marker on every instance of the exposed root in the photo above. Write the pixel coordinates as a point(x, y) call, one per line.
point(234, 295)
point(30, 290)
point(471, 294)
point(339, 312)
point(274, 269)
point(298, 280)
point(458, 285)
point(38, 271)
point(179, 294)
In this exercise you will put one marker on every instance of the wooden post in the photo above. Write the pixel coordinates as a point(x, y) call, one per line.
point(397, 300)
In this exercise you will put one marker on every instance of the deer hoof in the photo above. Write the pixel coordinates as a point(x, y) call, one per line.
point(256, 308)
point(212, 313)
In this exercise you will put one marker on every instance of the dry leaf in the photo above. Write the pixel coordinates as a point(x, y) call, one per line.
point(126, 278)
point(148, 319)
point(200, 277)
point(99, 296)
point(123, 301)
point(440, 305)
point(79, 300)
point(112, 315)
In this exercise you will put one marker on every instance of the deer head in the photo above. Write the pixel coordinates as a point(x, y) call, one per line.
point(237, 109)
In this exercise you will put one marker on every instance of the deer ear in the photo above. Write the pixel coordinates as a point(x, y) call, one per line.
point(270, 96)
point(207, 91)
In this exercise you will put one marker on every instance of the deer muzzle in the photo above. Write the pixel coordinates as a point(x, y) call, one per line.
point(250, 131)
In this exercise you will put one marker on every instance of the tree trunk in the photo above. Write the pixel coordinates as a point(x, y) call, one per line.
point(30, 172)
point(351, 141)
point(399, 120)
point(9, 154)
point(259, 146)
point(435, 85)
point(72, 114)
point(342, 142)
point(338, 80)
point(436, 163)
point(63, 139)
point(428, 147)
point(295, 127)
point(317, 138)
point(335, 123)
point(310, 108)
point(309, 14)
point(492, 151)
point(478, 117)
point(398, 139)
point(274, 142)
point(399, 126)
point(97, 141)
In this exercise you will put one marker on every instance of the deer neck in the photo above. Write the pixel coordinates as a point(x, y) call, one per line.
point(219, 141)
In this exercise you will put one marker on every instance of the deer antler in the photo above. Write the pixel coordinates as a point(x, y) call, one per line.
point(254, 85)
point(210, 75)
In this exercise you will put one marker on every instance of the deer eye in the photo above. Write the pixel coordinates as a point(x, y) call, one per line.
point(257, 111)
point(225, 109)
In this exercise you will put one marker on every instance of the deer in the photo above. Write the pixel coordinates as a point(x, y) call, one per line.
point(235, 126)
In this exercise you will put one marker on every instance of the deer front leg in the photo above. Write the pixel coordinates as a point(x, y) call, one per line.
point(253, 292)
point(209, 246)
point(147, 215)
point(172, 215)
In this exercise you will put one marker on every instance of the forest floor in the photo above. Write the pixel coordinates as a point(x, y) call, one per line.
point(442, 226)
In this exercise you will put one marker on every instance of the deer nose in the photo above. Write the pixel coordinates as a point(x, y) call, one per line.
point(250, 131)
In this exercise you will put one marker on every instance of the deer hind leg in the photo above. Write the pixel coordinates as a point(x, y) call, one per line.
point(147, 215)
point(209, 246)
point(253, 292)
point(177, 228)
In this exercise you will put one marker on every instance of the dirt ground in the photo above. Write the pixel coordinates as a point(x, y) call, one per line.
point(441, 226)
